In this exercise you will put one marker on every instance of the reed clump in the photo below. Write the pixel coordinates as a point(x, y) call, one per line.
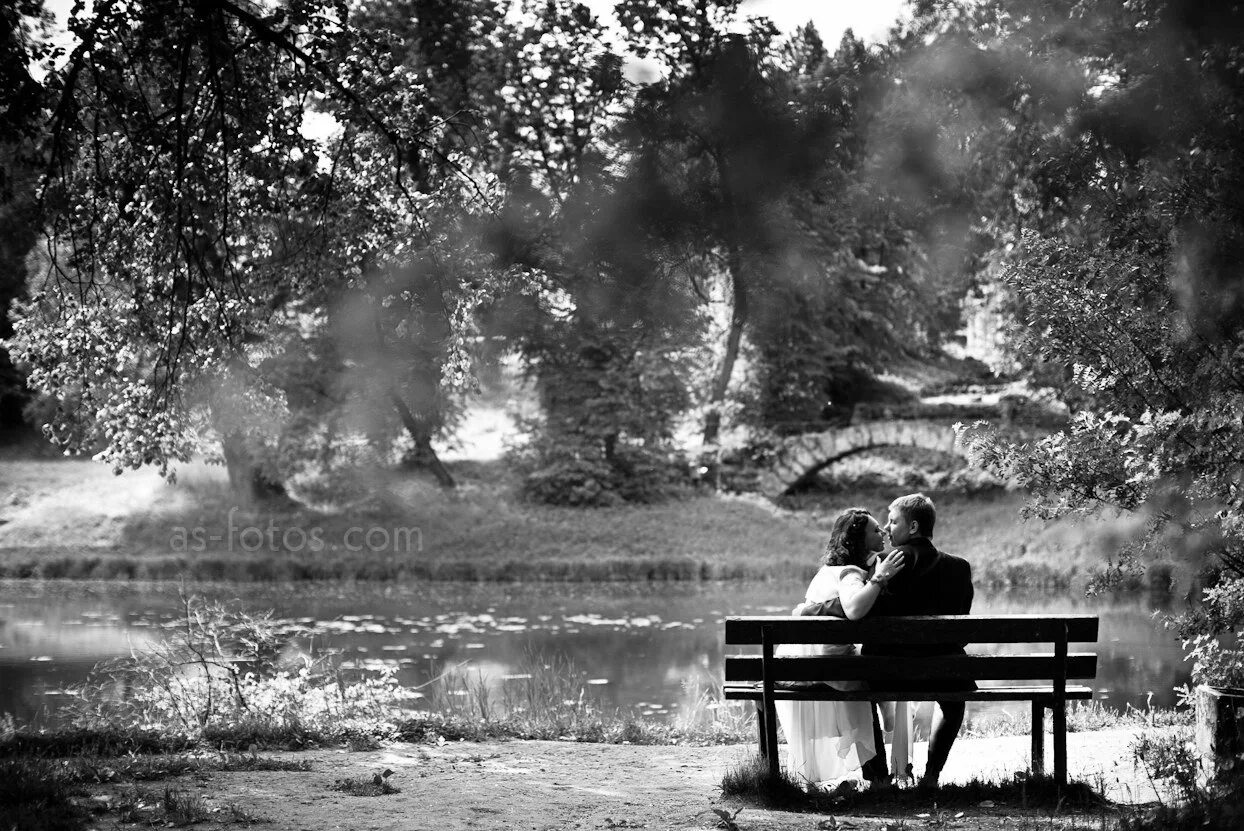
point(548, 699)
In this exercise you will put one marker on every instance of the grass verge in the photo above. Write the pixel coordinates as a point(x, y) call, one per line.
point(482, 532)
point(40, 795)
point(1082, 717)
point(711, 722)
point(378, 785)
point(1220, 809)
point(46, 794)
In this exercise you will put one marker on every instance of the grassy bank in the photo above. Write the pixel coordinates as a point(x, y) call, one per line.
point(221, 679)
point(218, 690)
point(40, 794)
point(64, 782)
point(328, 708)
point(572, 719)
point(71, 519)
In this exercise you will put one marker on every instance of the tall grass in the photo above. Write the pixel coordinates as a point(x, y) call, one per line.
point(1082, 717)
point(218, 678)
point(750, 780)
point(547, 699)
point(39, 795)
point(1192, 804)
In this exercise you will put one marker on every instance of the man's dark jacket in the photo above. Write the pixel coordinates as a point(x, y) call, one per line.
point(931, 583)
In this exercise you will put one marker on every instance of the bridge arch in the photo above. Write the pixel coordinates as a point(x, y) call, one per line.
point(802, 456)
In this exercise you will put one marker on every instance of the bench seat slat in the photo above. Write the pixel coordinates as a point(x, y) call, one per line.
point(752, 692)
point(884, 668)
point(913, 629)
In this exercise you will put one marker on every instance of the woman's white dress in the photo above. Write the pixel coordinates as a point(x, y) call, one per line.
point(828, 740)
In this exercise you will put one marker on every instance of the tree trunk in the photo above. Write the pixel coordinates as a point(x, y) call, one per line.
point(425, 454)
point(738, 317)
point(250, 483)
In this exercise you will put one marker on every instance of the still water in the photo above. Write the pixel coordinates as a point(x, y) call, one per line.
point(651, 647)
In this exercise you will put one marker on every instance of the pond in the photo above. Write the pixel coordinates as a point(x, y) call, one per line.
point(651, 647)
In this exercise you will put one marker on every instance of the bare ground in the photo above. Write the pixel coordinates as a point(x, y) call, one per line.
point(566, 785)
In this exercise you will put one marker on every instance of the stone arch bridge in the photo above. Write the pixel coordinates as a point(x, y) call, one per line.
point(800, 457)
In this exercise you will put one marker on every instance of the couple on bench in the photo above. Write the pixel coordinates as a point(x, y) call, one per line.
point(832, 740)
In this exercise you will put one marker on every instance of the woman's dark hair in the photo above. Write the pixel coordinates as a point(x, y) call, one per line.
point(846, 540)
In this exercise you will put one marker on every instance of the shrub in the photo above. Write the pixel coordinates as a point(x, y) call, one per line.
point(217, 676)
point(610, 397)
point(564, 471)
point(1219, 807)
point(1169, 758)
point(1217, 661)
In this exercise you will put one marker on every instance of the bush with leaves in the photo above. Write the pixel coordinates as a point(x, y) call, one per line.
point(200, 241)
point(572, 472)
point(223, 674)
point(611, 402)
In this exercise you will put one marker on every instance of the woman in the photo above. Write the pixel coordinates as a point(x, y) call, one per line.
point(832, 739)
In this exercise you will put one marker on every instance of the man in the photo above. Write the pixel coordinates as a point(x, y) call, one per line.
point(931, 583)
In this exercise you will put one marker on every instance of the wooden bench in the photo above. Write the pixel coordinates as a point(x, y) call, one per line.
point(763, 678)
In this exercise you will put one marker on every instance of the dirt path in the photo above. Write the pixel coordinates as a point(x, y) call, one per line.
point(563, 785)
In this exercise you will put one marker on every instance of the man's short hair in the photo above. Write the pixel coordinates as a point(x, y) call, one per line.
point(918, 508)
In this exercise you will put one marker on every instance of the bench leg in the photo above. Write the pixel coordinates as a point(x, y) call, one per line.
point(760, 726)
point(1060, 741)
point(771, 742)
point(1038, 738)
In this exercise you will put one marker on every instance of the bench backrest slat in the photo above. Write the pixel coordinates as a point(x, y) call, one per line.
point(914, 629)
point(886, 668)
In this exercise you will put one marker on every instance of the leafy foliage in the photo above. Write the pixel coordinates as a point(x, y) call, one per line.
point(772, 159)
point(723, 148)
point(1133, 287)
point(201, 238)
point(223, 276)
point(1173, 758)
point(23, 27)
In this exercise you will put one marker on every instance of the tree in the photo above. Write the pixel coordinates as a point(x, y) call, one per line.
point(195, 225)
point(1137, 291)
point(613, 347)
point(17, 238)
point(727, 146)
point(607, 335)
point(535, 91)
point(777, 155)
point(856, 285)
point(530, 90)
point(21, 46)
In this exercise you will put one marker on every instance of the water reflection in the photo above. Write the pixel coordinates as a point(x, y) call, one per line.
point(651, 647)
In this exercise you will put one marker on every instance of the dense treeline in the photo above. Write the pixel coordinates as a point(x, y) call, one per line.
point(710, 246)
point(741, 240)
